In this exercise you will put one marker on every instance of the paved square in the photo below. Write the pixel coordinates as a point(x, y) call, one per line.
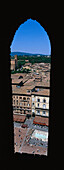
point(41, 135)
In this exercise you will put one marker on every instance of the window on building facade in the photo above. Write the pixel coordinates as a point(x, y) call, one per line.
point(20, 97)
point(38, 104)
point(14, 101)
point(28, 98)
point(24, 98)
point(38, 111)
point(19, 135)
point(44, 106)
point(38, 100)
point(17, 101)
point(44, 100)
point(44, 112)
point(33, 104)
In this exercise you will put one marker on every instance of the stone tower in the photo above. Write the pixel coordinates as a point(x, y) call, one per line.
point(15, 61)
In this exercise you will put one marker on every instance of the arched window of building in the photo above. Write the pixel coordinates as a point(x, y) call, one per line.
point(44, 112)
point(38, 100)
point(24, 98)
point(38, 112)
point(20, 97)
point(44, 100)
point(44, 106)
point(28, 98)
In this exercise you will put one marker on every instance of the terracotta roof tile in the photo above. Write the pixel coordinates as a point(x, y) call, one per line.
point(16, 81)
point(42, 92)
point(41, 120)
point(19, 118)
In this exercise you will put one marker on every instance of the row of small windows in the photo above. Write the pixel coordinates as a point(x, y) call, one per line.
point(33, 111)
point(44, 105)
point(38, 111)
point(27, 104)
point(19, 107)
point(24, 98)
point(38, 100)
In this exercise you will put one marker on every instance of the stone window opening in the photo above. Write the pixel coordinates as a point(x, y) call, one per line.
point(28, 98)
point(44, 106)
point(20, 97)
point(44, 100)
point(24, 98)
point(44, 112)
point(38, 100)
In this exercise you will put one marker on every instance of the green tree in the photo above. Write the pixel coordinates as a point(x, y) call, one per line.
point(19, 64)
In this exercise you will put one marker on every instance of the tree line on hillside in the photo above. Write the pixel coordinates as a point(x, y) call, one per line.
point(33, 59)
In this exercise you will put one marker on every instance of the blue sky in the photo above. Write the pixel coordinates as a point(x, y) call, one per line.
point(31, 37)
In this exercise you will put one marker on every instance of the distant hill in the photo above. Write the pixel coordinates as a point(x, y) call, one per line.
point(23, 53)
